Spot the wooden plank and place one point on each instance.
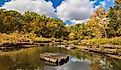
(114, 56)
(99, 50)
(112, 46)
(54, 57)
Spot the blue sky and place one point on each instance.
(55, 2)
(66, 9)
(2, 2)
(58, 2)
(96, 3)
(108, 3)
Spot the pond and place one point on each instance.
(29, 59)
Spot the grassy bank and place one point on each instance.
(19, 37)
(30, 37)
(102, 41)
(26, 40)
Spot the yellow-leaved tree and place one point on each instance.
(98, 23)
(118, 1)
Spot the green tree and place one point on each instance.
(42, 25)
(114, 21)
(10, 21)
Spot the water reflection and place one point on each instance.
(29, 60)
(74, 64)
(5, 62)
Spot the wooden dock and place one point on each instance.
(54, 57)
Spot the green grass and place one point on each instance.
(19, 37)
(102, 41)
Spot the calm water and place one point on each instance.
(29, 60)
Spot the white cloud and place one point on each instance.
(79, 21)
(79, 10)
(103, 4)
(75, 9)
(40, 6)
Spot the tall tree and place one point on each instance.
(114, 21)
(98, 23)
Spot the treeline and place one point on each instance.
(102, 24)
(31, 22)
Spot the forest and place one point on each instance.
(102, 27)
